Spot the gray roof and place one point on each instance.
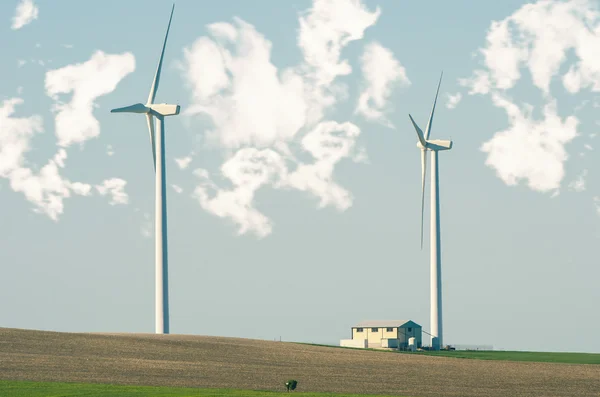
(386, 324)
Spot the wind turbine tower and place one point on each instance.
(433, 146)
(159, 111)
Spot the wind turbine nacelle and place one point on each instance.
(436, 144)
(164, 109)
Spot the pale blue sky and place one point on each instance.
(519, 261)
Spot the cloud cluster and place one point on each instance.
(578, 185)
(45, 189)
(453, 100)
(25, 13)
(539, 37)
(533, 150)
(98, 76)
(380, 71)
(74, 123)
(260, 115)
(115, 188)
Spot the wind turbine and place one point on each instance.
(433, 146)
(159, 111)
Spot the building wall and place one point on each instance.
(362, 343)
(374, 337)
(404, 334)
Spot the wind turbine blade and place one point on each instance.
(428, 128)
(423, 172)
(419, 132)
(150, 121)
(154, 87)
(137, 108)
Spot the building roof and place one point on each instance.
(386, 324)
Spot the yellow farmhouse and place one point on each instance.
(395, 334)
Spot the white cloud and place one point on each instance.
(115, 188)
(21, 62)
(25, 13)
(177, 188)
(529, 149)
(328, 143)
(539, 37)
(578, 185)
(75, 122)
(259, 112)
(380, 71)
(326, 29)
(453, 100)
(248, 170)
(233, 81)
(183, 162)
(597, 204)
(46, 189)
(146, 227)
(109, 150)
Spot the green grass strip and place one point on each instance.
(539, 357)
(51, 389)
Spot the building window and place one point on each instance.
(389, 329)
(409, 329)
(374, 329)
(359, 330)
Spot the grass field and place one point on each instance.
(540, 357)
(45, 389)
(534, 357)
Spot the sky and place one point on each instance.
(293, 172)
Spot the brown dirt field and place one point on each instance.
(201, 361)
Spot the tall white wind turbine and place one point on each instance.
(159, 111)
(433, 146)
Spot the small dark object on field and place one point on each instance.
(291, 385)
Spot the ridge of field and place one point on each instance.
(236, 363)
(504, 355)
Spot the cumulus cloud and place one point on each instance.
(177, 188)
(328, 143)
(258, 112)
(578, 185)
(248, 170)
(46, 189)
(74, 121)
(453, 100)
(538, 37)
(25, 13)
(146, 227)
(268, 107)
(183, 162)
(115, 189)
(532, 150)
(380, 71)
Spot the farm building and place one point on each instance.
(384, 334)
